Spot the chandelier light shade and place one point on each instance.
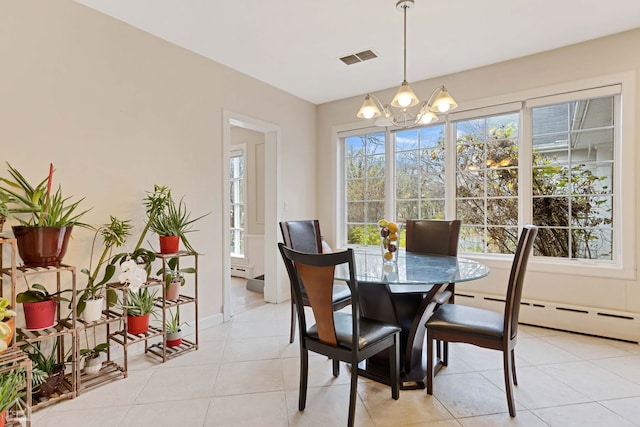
(400, 112)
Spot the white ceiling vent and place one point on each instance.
(365, 55)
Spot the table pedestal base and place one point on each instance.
(410, 311)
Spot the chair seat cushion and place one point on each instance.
(371, 331)
(467, 320)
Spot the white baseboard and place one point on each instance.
(242, 271)
(587, 320)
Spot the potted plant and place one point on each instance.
(91, 357)
(174, 278)
(39, 305)
(140, 305)
(154, 204)
(11, 390)
(47, 371)
(172, 224)
(173, 329)
(7, 324)
(46, 218)
(91, 299)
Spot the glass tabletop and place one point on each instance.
(412, 268)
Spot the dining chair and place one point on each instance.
(439, 237)
(304, 236)
(347, 337)
(486, 328)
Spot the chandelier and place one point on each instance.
(401, 111)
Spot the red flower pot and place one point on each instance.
(169, 244)
(138, 324)
(42, 246)
(174, 339)
(39, 315)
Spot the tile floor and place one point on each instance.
(246, 374)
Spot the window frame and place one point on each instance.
(623, 266)
(239, 150)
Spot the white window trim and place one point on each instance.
(241, 150)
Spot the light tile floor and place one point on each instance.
(246, 374)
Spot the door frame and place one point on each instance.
(273, 293)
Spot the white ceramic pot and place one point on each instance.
(92, 366)
(93, 310)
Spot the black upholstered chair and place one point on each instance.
(304, 236)
(340, 336)
(486, 328)
(440, 237)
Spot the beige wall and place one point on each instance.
(586, 61)
(117, 111)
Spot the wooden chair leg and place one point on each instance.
(394, 366)
(507, 361)
(336, 368)
(304, 372)
(445, 353)
(513, 367)
(429, 363)
(353, 394)
(293, 321)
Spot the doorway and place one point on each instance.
(274, 288)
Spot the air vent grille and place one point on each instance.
(365, 55)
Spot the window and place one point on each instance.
(420, 173)
(237, 198)
(365, 158)
(550, 161)
(487, 183)
(573, 167)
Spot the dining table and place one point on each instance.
(405, 293)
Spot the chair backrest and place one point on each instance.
(516, 280)
(433, 236)
(314, 273)
(302, 236)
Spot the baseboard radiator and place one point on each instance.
(587, 320)
(242, 271)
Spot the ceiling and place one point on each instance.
(296, 45)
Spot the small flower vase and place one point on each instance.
(389, 242)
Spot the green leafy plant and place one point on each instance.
(38, 293)
(173, 274)
(37, 206)
(140, 302)
(5, 311)
(11, 388)
(113, 234)
(44, 363)
(175, 220)
(173, 324)
(92, 353)
(154, 203)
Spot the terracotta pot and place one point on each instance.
(3, 417)
(40, 315)
(169, 244)
(51, 384)
(173, 291)
(93, 310)
(174, 339)
(42, 246)
(138, 324)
